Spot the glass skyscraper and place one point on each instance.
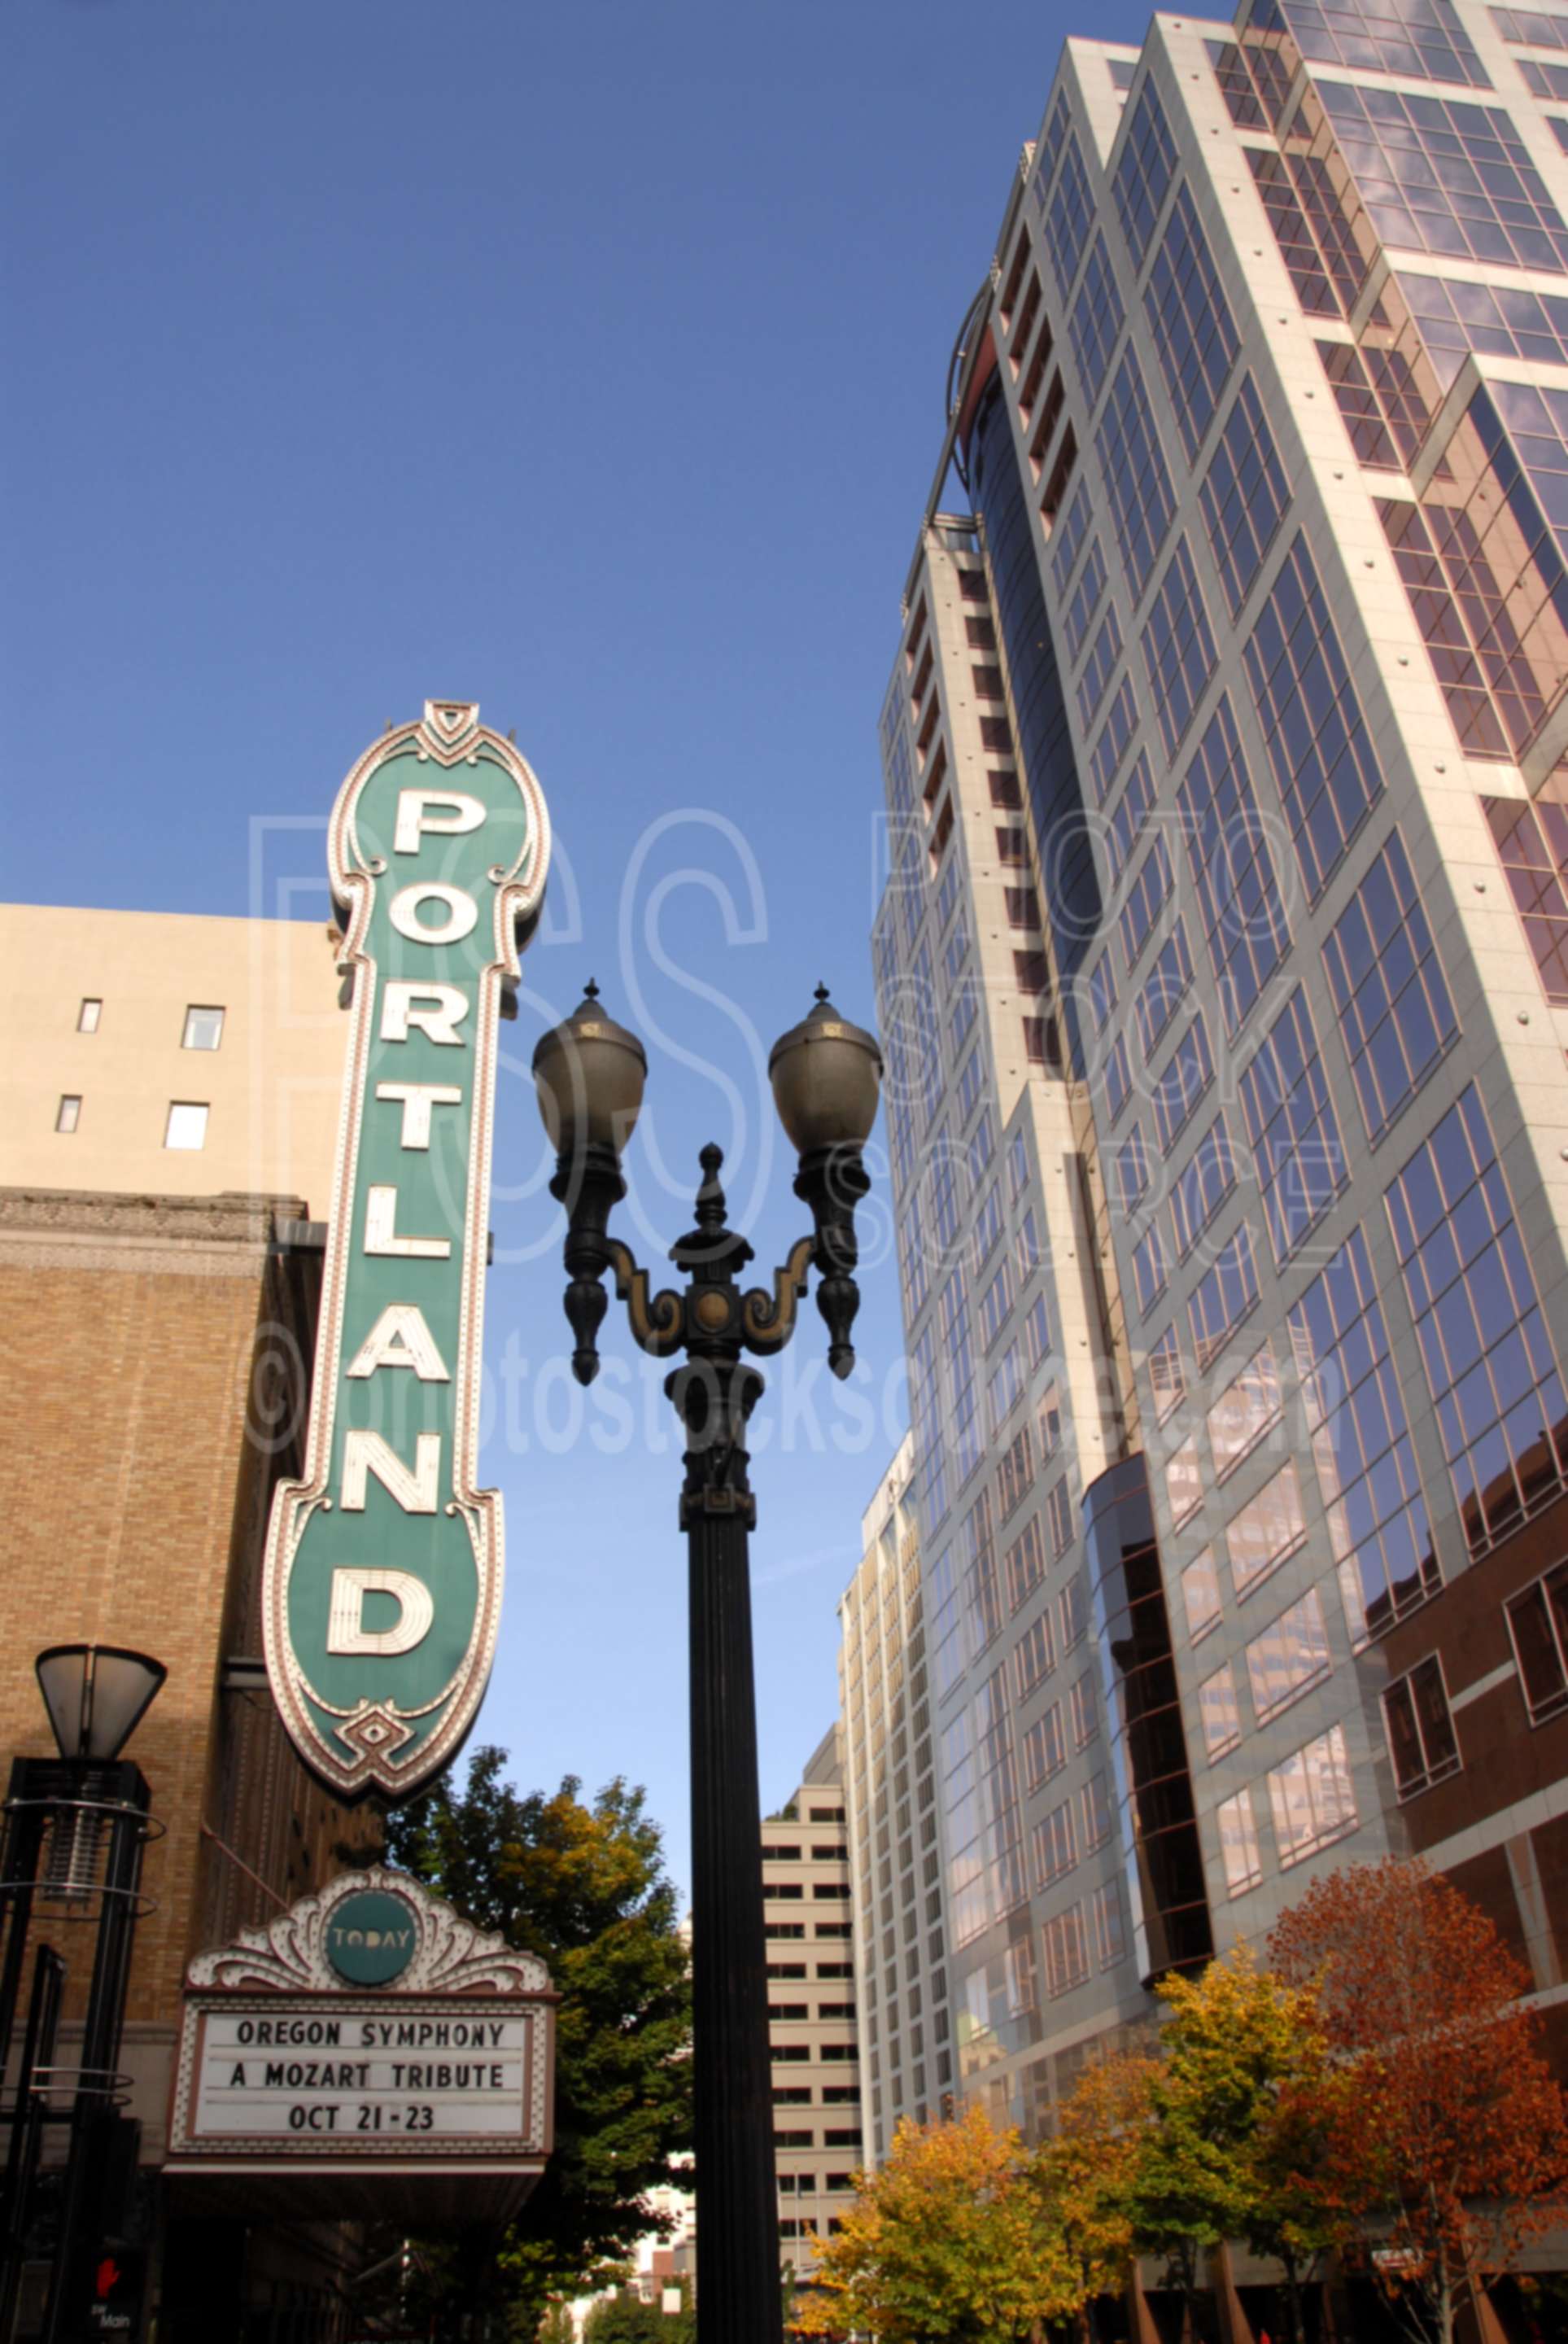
(1223, 972)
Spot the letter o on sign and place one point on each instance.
(462, 913)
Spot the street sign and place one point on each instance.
(368, 2027)
(382, 1587)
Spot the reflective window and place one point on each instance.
(1014, 1480)
(1530, 27)
(1055, 1845)
(1103, 654)
(1360, 1445)
(1163, 989)
(1034, 1656)
(1500, 320)
(1320, 749)
(1110, 1930)
(1120, 722)
(1532, 841)
(1085, 1709)
(1052, 139)
(1146, 899)
(1380, 402)
(1294, 1130)
(1267, 1529)
(1144, 172)
(1224, 1296)
(1420, 1737)
(68, 1114)
(1439, 174)
(1545, 81)
(1059, 1519)
(1244, 924)
(1191, 321)
(1044, 1748)
(1184, 1484)
(1133, 466)
(1102, 997)
(1094, 1812)
(925, 1410)
(978, 1576)
(1069, 216)
(187, 1125)
(1073, 1613)
(1238, 1832)
(1244, 494)
(1395, 1012)
(1096, 321)
(1084, 603)
(1202, 1186)
(1189, 1071)
(996, 1301)
(1311, 228)
(1025, 1565)
(1538, 1622)
(1170, 1385)
(1289, 1656)
(1218, 1712)
(1248, 1409)
(1133, 808)
(1066, 1952)
(1483, 1341)
(1200, 1596)
(88, 1016)
(203, 1029)
(1422, 39)
(1178, 648)
(1131, 1170)
(1067, 536)
(1312, 1798)
(1148, 1269)
(1118, 1078)
(1484, 571)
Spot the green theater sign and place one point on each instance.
(382, 1590)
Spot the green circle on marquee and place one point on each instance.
(371, 1938)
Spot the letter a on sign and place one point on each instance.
(382, 1587)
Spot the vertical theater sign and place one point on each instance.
(382, 1587)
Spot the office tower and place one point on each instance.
(817, 2128)
(1224, 942)
(890, 1799)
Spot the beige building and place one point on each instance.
(816, 2130)
(162, 1297)
(895, 1861)
(167, 1055)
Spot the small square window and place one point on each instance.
(203, 1031)
(187, 1125)
(87, 1016)
(68, 1114)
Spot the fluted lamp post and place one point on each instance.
(826, 1074)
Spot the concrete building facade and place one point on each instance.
(884, 1707)
(1228, 888)
(157, 1371)
(817, 2118)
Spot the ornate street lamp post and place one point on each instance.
(826, 1074)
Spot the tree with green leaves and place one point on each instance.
(584, 1888)
(1241, 2107)
(624, 2319)
(947, 2239)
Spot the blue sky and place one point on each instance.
(590, 364)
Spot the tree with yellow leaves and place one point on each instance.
(1084, 2174)
(950, 2237)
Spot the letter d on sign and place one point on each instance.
(345, 1629)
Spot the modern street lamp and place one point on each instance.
(96, 1695)
(826, 1076)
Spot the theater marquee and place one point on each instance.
(383, 1577)
(367, 2033)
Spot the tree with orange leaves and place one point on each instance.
(1085, 2171)
(1451, 2151)
(948, 2238)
